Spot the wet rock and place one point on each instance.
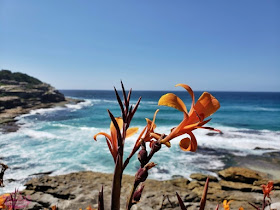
(214, 134)
(261, 148)
(52, 96)
(177, 176)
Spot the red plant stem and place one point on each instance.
(181, 203)
(129, 201)
(204, 195)
(101, 200)
(117, 182)
(263, 204)
(135, 185)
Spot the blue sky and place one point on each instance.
(150, 45)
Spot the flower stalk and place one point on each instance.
(194, 119)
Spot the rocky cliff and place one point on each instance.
(20, 93)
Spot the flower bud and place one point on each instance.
(137, 194)
(142, 156)
(142, 173)
(155, 146)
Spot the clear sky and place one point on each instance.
(151, 45)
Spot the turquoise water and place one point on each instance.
(60, 139)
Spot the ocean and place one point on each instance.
(60, 140)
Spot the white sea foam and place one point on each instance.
(67, 146)
(45, 111)
(102, 101)
(38, 134)
(80, 105)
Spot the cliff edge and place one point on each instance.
(21, 93)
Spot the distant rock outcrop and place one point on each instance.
(18, 89)
(20, 93)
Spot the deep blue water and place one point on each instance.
(60, 139)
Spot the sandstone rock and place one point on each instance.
(276, 183)
(228, 185)
(244, 175)
(78, 190)
(192, 197)
(202, 177)
(52, 96)
(193, 185)
(21, 93)
(8, 102)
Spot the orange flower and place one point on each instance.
(267, 189)
(203, 108)
(226, 204)
(147, 131)
(3, 199)
(111, 140)
(89, 208)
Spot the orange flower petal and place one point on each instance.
(114, 132)
(168, 144)
(104, 134)
(174, 101)
(153, 125)
(206, 105)
(149, 124)
(225, 202)
(120, 124)
(188, 88)
(131, 131)
(187, 144)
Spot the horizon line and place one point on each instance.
(236, 91)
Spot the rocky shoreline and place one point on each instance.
(21, 93)
(8, 121)
(79, 190)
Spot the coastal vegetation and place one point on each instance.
(8, 77)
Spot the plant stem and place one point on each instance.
(117, 182)
(263, 204)
(129, 201)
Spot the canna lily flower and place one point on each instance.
(226, 204)
(150, 134)
(267, 189)
(203, 108)
(145, 135)
(3, 199)
(111, 140)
